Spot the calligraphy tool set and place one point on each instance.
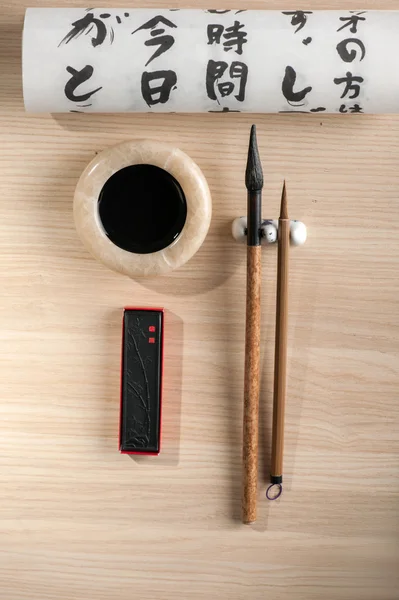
(144, 208)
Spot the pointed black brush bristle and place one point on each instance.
(254, 173)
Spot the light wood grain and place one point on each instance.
(79, 521)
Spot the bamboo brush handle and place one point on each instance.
(280, 361)
(251, 384)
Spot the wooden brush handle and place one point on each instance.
(280, 360)
(251, 384)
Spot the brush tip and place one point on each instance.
(284, 205)
(254, 173)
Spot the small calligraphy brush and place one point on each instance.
(280, 356)
(254, 185)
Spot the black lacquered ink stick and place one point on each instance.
(254, 185)
(141, 389)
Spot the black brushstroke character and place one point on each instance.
(288, 88)
(216, 70)
(157, 94)
(79, 77)
(215, 33)
(156, 21)
(351, 85)
(118, 19)
(356, 108)
(352, 21)
(233, 35)
(349, 56)
(222, 11)
(165, 42)
(299, 17)
(225, 109)
(86, 24)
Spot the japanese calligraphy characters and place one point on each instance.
(224, 79)
(77, 79)
(158, 37)
(299, 19)
(156, 86)
(234, 36)
(216, 60)
(351, 50)
(293, 97)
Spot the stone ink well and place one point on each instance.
(142, 208)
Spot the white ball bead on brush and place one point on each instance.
(269, 232)
(239, 229)
(298, 233)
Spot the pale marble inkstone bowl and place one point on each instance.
(198, 204)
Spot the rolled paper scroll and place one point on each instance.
(142, 208)
(177, 60)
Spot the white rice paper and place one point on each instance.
(178, 60)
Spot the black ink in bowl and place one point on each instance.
(142, 208)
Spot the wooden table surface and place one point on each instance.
(80, 522)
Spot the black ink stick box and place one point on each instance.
(141, 381)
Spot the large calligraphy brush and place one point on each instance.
(280, 357)
(254, 185)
